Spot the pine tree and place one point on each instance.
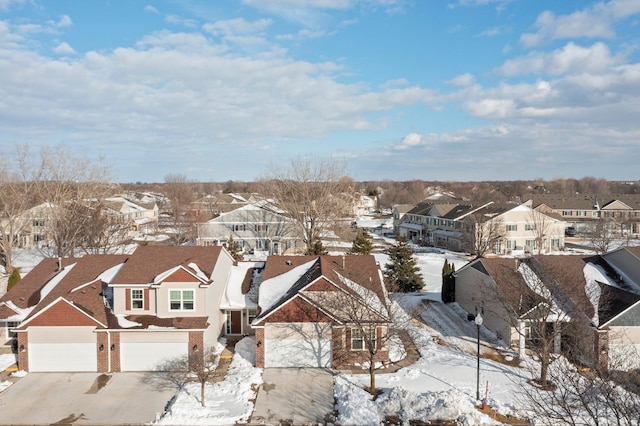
(448, 292)
(317, 249)
(14, 278)
(362, 244)
(402, 272)
(234, 249)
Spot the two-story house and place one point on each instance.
(256, 227)
(110, 313)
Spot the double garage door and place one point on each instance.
(297, 345)
(151, 351)
(62, 349)
(75, 349)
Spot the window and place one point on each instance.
(530, 243)
(511, 244)
(512, 228)
(555, 242)
(238, 227)
(251, 315)
(581, 213)
(358, 339)
(181, 300)
(137, 299)
(261, 227)
(38, 222)
(567, 213)
(530, 227)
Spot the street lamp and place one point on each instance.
(478, 321)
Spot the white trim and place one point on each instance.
(181, 290)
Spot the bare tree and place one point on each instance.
(67, 184)
(102, 233)
(18, 177)
(600, 235)
(308, 192)
(540, 225)
(179, 191)
(198, 366)
(584, 396)
(482, 233)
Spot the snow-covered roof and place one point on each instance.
(273, 289)
(233, 297)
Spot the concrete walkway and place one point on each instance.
(294, 396)
(225, 360)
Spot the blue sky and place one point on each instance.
(451, 90)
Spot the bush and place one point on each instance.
(14, 278)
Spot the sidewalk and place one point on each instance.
(225, 360)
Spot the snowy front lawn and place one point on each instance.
(227, 402)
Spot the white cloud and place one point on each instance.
(568, 59)
(5, 4)
(238, 26)
(463, 80)
(592, 22)
(151, 9)
(177, 20)
(64, 49)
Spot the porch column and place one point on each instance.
(521, 341)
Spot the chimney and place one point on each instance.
(344, 262)
(59, 263)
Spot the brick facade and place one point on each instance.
(102, 346)
(23, 351)
(196, 347)
(114, 352)
(260, 347)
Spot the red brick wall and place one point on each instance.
(115, 353)
(103, 355)
(23, 355)
(260, 347)
(62, 314)
(344, 357)
(196, 346)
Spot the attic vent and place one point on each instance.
(289, 263)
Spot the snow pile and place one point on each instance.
(125, 323)
(593, 275)
(7, 360)
(227, 402)
(4, 385)
(355, 405)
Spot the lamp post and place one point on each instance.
(478, 321)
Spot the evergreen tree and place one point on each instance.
(402, 272)
(362, 243)
(234, 249)
(317, 249)
(14, 278)
(448, 292)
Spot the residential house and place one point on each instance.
(255, 227)
(213, 205)
(314, 311)
(361, 205)
(140, 216)
(597, 298)
(514, 229)
(30, 229)
(110, 313)
(398, 211)
(503, 228)
(622, 211)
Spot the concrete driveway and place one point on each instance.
(294, 396)
(84, 398)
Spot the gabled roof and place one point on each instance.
(80, 282)
(147, 262)
(347, 274)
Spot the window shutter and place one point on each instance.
(127, 299)
(146, 299)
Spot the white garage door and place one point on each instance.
(149, 351)
(297, 345)
(62, 349)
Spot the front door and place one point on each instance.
(234, 322)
